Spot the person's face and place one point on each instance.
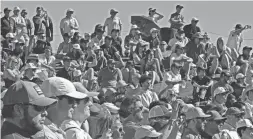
(220, 44)
(23, 14)
(7, 13)
(16, 12)
(100, 33)
(82, 111)
(158, 123)
(39, 11)
(66, 39)
(214, 125)
(47, 52)
(194, 23)
(137, 110)
(151, 56)
(236, 117)
(147, 84)
(178, 10)
(118, 131)
(137, 36)
(115, 33)
(154, 34)
(200, 124)
(222, 98)
(66, 63)
(163, 47)
(32, 117)
(246, 52)
(108, 42)
(14, 64)
(250, 96)
(196, 40)
(112, 66)
(69, 14)
(30, 72)
(180, 51)
(176, 69)
(133, 31)
(113, 14)
(201, 73)
(123, 89)
(247, 133)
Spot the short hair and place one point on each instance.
(124, 110)
(240, 129)
(144, 78)
(156, 103)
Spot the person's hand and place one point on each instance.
(204, 87)
(247, 27)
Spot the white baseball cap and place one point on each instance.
(111, 107)
(57, 86)
(195, 19)
(16, 9)
(195, 112)
(10, 35)
(77, 46)
(244, 123)
(153, 30)
(239, 76)
(219, 90)
(77, 73)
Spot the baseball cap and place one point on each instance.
(198, 35)
(57, 86)
(226, 73)
(146, 131)
(30, 66)
(215, 116)
(108, 37)
(163, 43)
(195, 19)
(10, 35)
(159, 111)
(70, 10)
(80, 88)
(76, 46)
(115, 30)
(233, 111)
(66, 58)
(195, 112)
(239, 76)
(33, 57)
(247, 47)
(244, 123)
(151, 9)
(27, 93)
(219, 90)
(24, 11)
(77, 73)
(110, 91)
(238, 26)
(111, 61)
(7, 9)
(16, 9)
(138, 32)
(179, 6)
(121, 83)
(153, 30)
(134, 27)
(113, 11)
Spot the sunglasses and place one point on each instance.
(37, 108)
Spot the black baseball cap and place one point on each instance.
(247, 48)
(24, 11)
(117, 30)
(108, 37)
(179, 6)
(238, 26)
(7, 9)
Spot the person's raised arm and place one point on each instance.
(76, 25)
(159, 16)
(158, 69)
(173, 20)
(60, 48)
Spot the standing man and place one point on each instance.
(29, 25)
(49, 27)
(192, 28)
(24, 110)
(113, 22)
(7, 24)
(152, 14)
(69, 24)
(235, 37)
(177, 19)
(19, 21)
(39, 22)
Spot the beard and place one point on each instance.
(29, 125)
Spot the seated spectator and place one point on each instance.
(48, 60)
(151, 66)
(110, 52)
(201, 85)
(225, 54)
(248, 99)
(213, 125)
(164, 49)
(109, 76)
(131, 110)
(139, 52)
(30, 72)
(192, 28)
(9, 41)
(129, 37)
(12, 73)
(101, 60)
(220, 97)
(129, 72)
(194, 48)
(66, 72)
(178, 39)
(104, 128)
(65, 47)
(146, 131)
(76, 38)
(84, 44)
(76, 53)
(243, 60)
(180, 57)
(99, 38)
(122, 87)
(230, 100)
(40, 46)
(239, 85)
(153, 38)
(117, 41)
(244, 129)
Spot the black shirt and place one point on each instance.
(109, 52)
(7, 26)
(64, 74)
(241, 57)
(117, 44)
(189, 30)
(11, 131)
(204, 81)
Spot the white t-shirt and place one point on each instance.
(175, 41)
(114, 23)
(66, 23)
(234, 41)
(170, 76)
(174, 56)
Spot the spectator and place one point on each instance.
(244, 129)
(139, 52)
(76, 53)
(131, 110)
(220, 97)
(230, 100)
(192, 28)
(194, 48)
(66, 71)
(224, 81)
(49, 27)
(39, 21)
(243, 60)
(117, 41)
(98, 38)
(113, 22)
(40, 46)
(152, 14)
(202, 85)
(65, 92)
(129, 37)
(24, 110)
(110, 52)
(104, 128)
(9, 42)
(29, 25)
(177, 19)
(178, 39)
(101, 60)
(19, 21)
(153, 38)
(8, 25)
(196, 120)
(213, 125)
(122, 87)
(239, 85)
(225, 54)
(235, 37)
(234, 115)
(146, 131)
(30, 72)
(65, 47)
(109, 76)
(76, 38)
(69, 24)
(249, 103)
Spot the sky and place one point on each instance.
(216, 18)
